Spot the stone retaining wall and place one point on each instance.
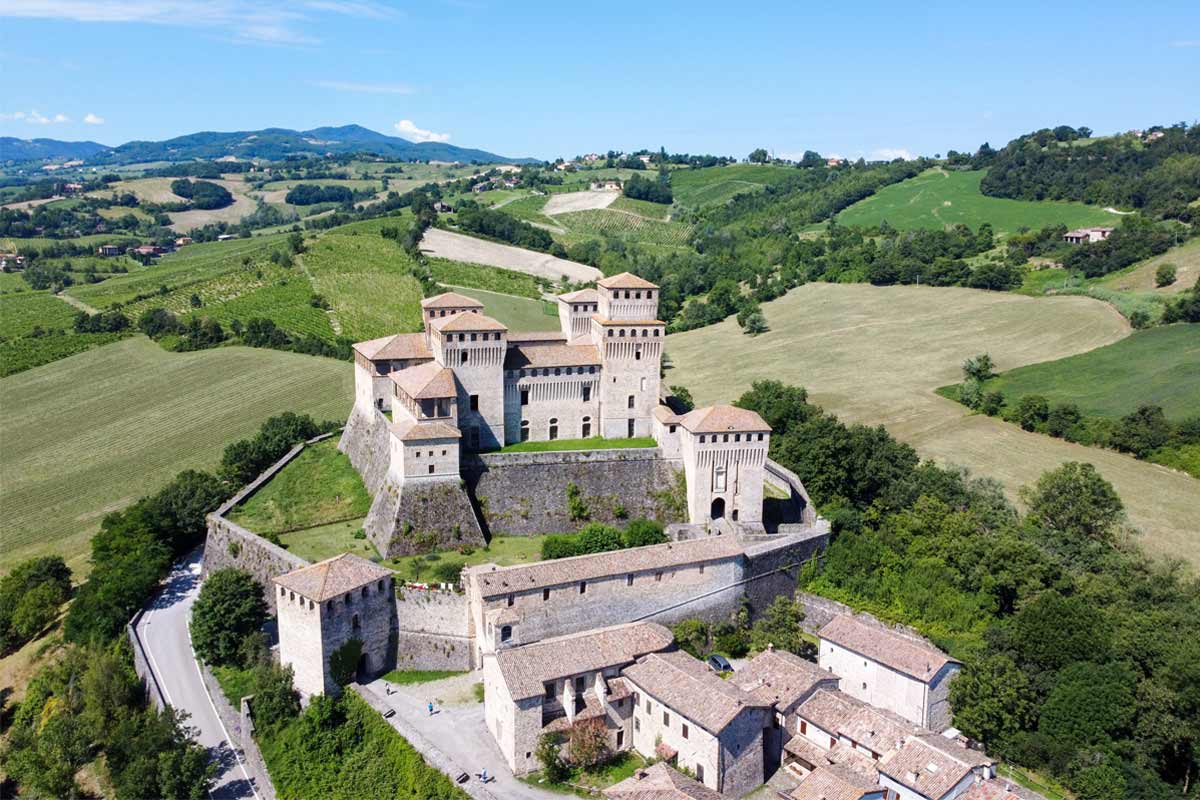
(231, 545)
(421, 515)
(141, 665)
(435, 629)
(819, 611)
(526, 493)
(365, 442)
(240, 728)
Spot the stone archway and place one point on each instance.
(718, 508)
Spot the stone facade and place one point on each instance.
(418, 516)
(434, 629)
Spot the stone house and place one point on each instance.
(890, 670)
(687, 715)
(323, 606)
(549, 685)
(836, 782)
(833, 727)
(931, 767)
(1086, 235)
(660, 782)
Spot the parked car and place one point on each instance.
(719, 663)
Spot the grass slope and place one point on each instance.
(716, 185)
(368, 281)
(94, 432)
(937, 198)
(875, 354)
(318, 487)
(1160, 366)
(518, 313)
(1140, 276)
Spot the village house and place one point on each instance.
(686, 714)
(836, 782)
(108, 250)
(441, 207)
(889, 670)
(1086, 235)
(547, 686)
(183, 241)
(11, 261)
(931, 767)
(660, 782)
(831, 727)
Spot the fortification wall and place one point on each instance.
(365, 443)
(231, 545)
(434, 630)
(526, 493)
(773, 564)
(418, 516)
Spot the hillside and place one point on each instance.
(875, 354)
(13, 149)
(938, 198)
(695, 188)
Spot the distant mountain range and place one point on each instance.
(269, 143)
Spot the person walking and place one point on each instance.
(431, 709)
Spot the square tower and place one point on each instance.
(724, 451)
(473, 346)
(629, 337)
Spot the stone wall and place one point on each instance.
(231, 545)
(141, 664)
(773, 564)
(365, 442)
(434, 629)
(418, 516)
(240, 727)
(526, 493)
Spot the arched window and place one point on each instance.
(354, 623)
(621, 332)
(553, 428)
(585, 429)
(524, 430)
(506, 633)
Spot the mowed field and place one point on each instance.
(938, 198)
(1140, 277)
(875, 354)
(715, 185)
(459, 247)
(94, 432)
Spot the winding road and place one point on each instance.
(163, 630)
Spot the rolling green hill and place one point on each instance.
(937, 198)
(708, 186)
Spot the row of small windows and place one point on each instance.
(581, 586)
(585, 425)
(347, 599)
(583, 307)
(737, 437)
(545, 372)
(633, 333)
(432, 453)
(462, 337)
(637, 294)
(441, 312)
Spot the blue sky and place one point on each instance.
(556, 79)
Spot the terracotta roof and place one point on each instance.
(843, 755)
(877, 728)
(919, 660)
(924, 769)
(424, 431)
(397, 346)
(494, 581)
(607, 321)
(829, 710)
(536, 337)
(468, 321)
(425, 381)
(958, 752)
(581, 296)
(526, 669)
(800, 745)
(626, 280)
(660, 782)
(780, 678)
(664, 415)
(721, 419)
(332, 577)
(989, 790)
(688, 687)
(834, 783)
(450, 300)
(548, 355)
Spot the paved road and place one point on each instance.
(163, 630)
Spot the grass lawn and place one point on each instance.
(594, 443)
(411, 676)
(92, 433)
(518, 313)
(937, 198)
(326, 541)
(318, 487)
(1160, 366)
(503, 551)
(875, 355)
(584, 783)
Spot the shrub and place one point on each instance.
(692, 636)
(642, 532)
(448, 572)
(229, 609)
(598, 538)
(1031, 411)
(554, 769)
(991, 403)
(588, 743)
(577, 507)
(1164, 275)
(30, 597)
(558, 545)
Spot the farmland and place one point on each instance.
(937, 198)
(458, 247)
(695, 188)
(20, 312)
(875, 355)
(1159, 366)
(126, 418)
(1140, 276)
(622, 225)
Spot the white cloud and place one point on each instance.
(891, 153)
(92, 119)
(365, 88)
(1186, 43)
(410, 131)
(270, 22)
(34, 118)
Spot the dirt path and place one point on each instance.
(460, 247)
(875, 354)
(585, 200)
(82, 306)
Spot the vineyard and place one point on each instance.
(696, 188)
(19, 313)
(286, 301)
(622, 225)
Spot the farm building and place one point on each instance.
(1086, 235)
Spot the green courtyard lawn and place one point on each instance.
(326, 541)
(318, 487)
(501, 550)
(407, 677)
(588, 783)
(593, 443)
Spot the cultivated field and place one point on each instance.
(875, 355)
(1160, 366)
(937, 198)
(459, 247)
(622, 225)
(715, 185)
(1140, 277)
(579, 201)
(242, 206)
(92, 433)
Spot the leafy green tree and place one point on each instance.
(1143, 431)
(230, 608)
(780, 626)
(755, 324)
(758, 156)
(554, 769)
(992, 701)
(1061, 418)
(598, 538)
(1032, 411)
(1075, 499)
(992, 403)
(642, 532)
(1052, 631)
(692, 636)
(681, 400)
(979, 368)
(1090, 704)
(275, 700)
(1164, 275)
(30, 597)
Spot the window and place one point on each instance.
(587, 394)
(511, 600)
(629, 429)
(620, 739)
(506, 633)
(524, 397)
(557, 371)
(647, 705)
(364, 591)
(580, 685)
(629, 579)
(431, 469)
(524, 430)
(630, 401)
(637, 723)
(545, 595)
(699, 772)
(685, 730)
(474, 402)
(658, 577)
(803, 726)
(637, 354)
(553, 428)
(472, 337)
(701, 569)
(463, 358)
(354, 623)
(583, 587)
(702, 438)
(585, 428)
(549, 690)
(671, 428)
(864, 684)
(666, 719)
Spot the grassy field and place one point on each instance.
(94, 432)
(715, 185)
(317, 488)
(1140, 276)
(645, 208)
(876, 354)
(937, 198)
(325, 541)
(501, 550)
(518, 313)
(1159, 365)
(603, 222)
(19, 313)
(491, 279)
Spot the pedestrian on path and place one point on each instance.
(483, 775)
(431, 709)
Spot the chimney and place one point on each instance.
(770, 647)
(639, 774)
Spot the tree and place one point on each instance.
(554, 769)
(1052, 631)
(230, 608)
(755, 323)
(30, 597)
(275, 700)
(1031, 411)
(992, 700)
(1062, 417)
(1075, 499)
(1143, 431)
(587, 743)
(681, 400)
(1164, 275)
(1090, 704)
(758, 155)
(780, 626)
(979, 368)
(692, 635)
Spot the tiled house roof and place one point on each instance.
(920, 661)
(562, 355)
(626, 280)
(924, 769)
(450, 300)
(780, 678)
(660, 782)
(581, 296)
(723, 419)
(332, 577)
(688, 687)
(398, 346)
(468, 322)
(834, 782)
(425, 381)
